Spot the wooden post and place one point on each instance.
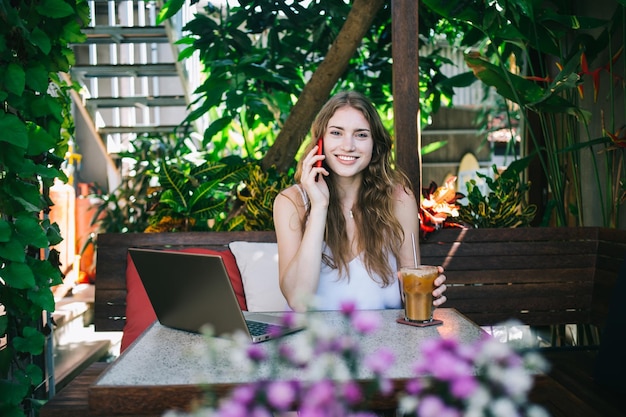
(404, 18)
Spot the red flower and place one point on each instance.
(437, 206)
(595, 74)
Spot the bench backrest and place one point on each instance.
(540, 276)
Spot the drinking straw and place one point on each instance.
(415, 260)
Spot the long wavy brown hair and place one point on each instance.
(378, 231)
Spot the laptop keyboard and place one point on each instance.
(258, 328)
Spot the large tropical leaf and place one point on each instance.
(525, 92)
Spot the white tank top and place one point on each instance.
(365, 290)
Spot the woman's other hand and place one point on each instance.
(440, 287)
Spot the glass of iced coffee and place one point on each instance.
(418, 283)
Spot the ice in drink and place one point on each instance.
(418, 284)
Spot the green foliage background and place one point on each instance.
(257, 58)
(35, 128)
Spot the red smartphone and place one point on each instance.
(318, 164)
(320, 150)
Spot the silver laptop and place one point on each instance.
(189, 291)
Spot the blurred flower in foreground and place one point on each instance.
(486, 378)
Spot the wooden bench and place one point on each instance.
(548, 279)
(539, 276)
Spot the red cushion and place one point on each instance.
(139, 311)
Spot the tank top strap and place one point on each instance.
(305, 197)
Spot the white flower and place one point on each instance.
(474, 413)
(407, 405)
(318, 330)
(536, 362)
(503, 407)
(516, 381)
(537, 411)
(239, 358)
(479, 399)
(328, 366)
(302, 351)
(238, 354)
(492, 351)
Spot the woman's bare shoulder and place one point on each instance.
(293, 194)
(403, 193)
(289, 209)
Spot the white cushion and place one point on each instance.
(258, 265)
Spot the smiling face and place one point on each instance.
(348, 142)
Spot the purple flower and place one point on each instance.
(467, 352)
(447, 366)
(256, 353)
(288, 354)
(244, 394)
(289, 319)
(352, 392)
(232, 408)
(281, 394)
(433, 347)
(464, 386)
(325, 346)
(414, 387)
(345, 343)
(431, 406)
(311, 412)
(319, 394)
(339, 345)
(348, 307)
(385, 386)
(448, 375)
(275, 331)
(366, 322)
(260, 411)
(379, 362)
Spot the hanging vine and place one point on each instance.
(35, 128)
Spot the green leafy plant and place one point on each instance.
(173, 186)
(195, 197)
(539, 55)
(251, 84)
(261, 188)
(125, 209)
(505, 203)
(231, 194)
(35, 129)
(258, 57)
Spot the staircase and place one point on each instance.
(131, 81)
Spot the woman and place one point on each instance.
(346, 227)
